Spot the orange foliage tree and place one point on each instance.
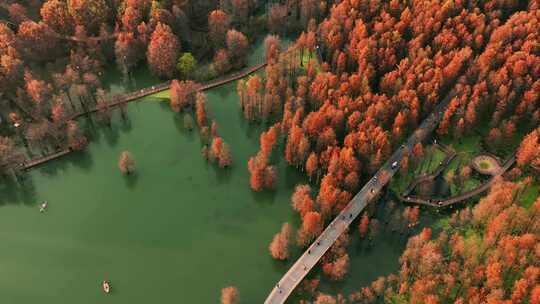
(163, 51)
(230, 295)
(279, 247)
(312, 226)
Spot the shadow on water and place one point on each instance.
(224, 175)
(131, 179)
(178, 121)
(125, 124)
(52, 168)
(292, 176)
(111, 135)
(81, 159)
(252, 129)
(264, 198)
(163, 102)
(102, 130)
(280, 266)
(21, 190)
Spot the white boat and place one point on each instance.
(43, 206)
(106, 286)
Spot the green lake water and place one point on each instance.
(177, 231)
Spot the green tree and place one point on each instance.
(186, 64)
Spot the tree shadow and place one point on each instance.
(81, 159)
(252, 129)
(126, 125)
(178, 121)
(163, 102)
(52, 168)
(104, 129)
(280, 266)
(293, 176)
(14, 190)
(131, 179)
(265, 197)
(223, 175)
(111, 136)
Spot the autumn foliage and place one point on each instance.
(218, 24)
(361, 76)
(126, 164)
(528, 153)
(263, 174)
(312, 226)
(220, 152)
(163, 51)
(230, 295)
(335, 263)
(279, 247)
(182, 94)
(486, 254)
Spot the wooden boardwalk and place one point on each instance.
(450, 154)
(129, 97)
(445, 202)
(86, 39)
(341, 222)
(43, 159)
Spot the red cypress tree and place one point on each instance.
(163, 51)
(279, 247)
(237, 45)
(37, 41)
(182, 94)
(301, 200)
(200, 110)
(230, 295)
(529, 149)
(221, 63)
(128, 51)
(312, 226)
(89, 13)
(218, 25)
(363, 226)
(312, 165)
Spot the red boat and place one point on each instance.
(106, 286)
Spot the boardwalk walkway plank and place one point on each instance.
(43, 159)
(445, 202)
(450, 154)
(132, 96)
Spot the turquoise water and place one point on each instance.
(178, 230)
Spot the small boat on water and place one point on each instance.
(43, 206)
(106, 286)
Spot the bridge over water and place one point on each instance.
(341, 222)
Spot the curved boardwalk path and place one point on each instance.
(494, 164)
(463, 196)
(450, 154)
(125, 98)
(371, 189)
